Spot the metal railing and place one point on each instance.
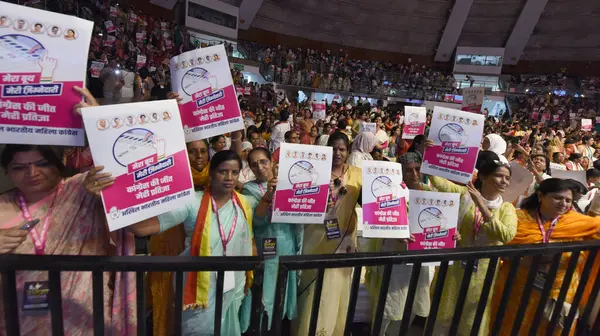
(9, 264)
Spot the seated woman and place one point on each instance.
(545, 217)
(70, 222)
(217, 223)
(287, 237)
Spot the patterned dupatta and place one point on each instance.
(77, 227)
(195, 293)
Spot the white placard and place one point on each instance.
(433, 219)
(209, 104)
(143, 146)
(416, 119)
(368, 127)
(456, 136)
(586, 124)
(384, 200)
(302, 184)
(43, 55)
(319, 110)
(577, 175)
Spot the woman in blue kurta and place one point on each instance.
(217, 222)
(287, 237)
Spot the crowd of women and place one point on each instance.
(236, 175)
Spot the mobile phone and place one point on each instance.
(29, 225)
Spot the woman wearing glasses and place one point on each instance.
(337, 236)
(272, 239)
(484, 220)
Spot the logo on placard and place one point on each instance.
(303, 177)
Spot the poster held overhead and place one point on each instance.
(302, 184)
(368, 127)
(43, 55)
(384, 200)
(415, 119)
(209, 104)
(142, 145)
(319, 110)
(473, 99)
(456, 136)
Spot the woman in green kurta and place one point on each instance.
(484, 219)
(286, 237)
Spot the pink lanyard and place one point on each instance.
(39, 241)
(546, 235)
(224, 241)
(262, 189)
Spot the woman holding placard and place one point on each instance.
(51, 214)
(272, 239)
(484, 220)
(545, 217)
(338, 235)
(218, 223)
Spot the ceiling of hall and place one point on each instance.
(567, 29)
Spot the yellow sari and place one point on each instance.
(336, 285)
(571, 227)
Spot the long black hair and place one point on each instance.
(551, 185)
(487, 168)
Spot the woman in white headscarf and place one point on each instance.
(322, 141)
(362, 146)
(496, 144)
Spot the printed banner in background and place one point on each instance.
(433, 219)
(456, 136)
(143, 146)
(203, 80)
(472, 99)
(96, 68)
(545, 117)
(43, 55)
(557, 166)
(110, 40)
(302, 184)
(110, 27)
(535, 115)
(384, 200)
(140, 61)
(368, 127)
(319, 109)
(415, 118)
(586, 125)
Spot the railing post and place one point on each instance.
(11, 310)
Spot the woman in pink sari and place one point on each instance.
(71, 222)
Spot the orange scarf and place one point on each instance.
(197, 285)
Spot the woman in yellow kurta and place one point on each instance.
(551, 206)
(484, 219)
(338, 235)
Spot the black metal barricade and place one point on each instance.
(10, 264)
(514, 253)
(54, 264)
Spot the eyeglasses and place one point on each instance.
(256, 164)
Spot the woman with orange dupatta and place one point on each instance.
(217, 223)
(172, 243)
(544, 217)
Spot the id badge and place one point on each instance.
(269, 247)
(332, 228)
(540, 280)
(35, 295)
(475, 263)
